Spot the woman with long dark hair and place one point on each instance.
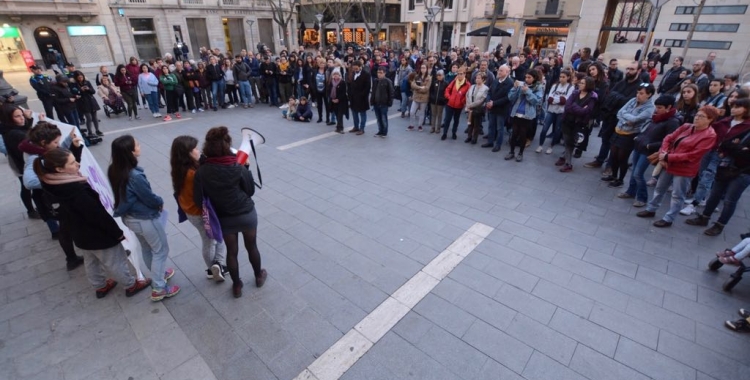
(87, 104)
(92, 229)
(14, 123)
(687, 105)
(525, 96)
(128, 85)
(230, 188)
(184, 159)
(140, 210)
(576, 118)
(170, 82)
(42, 138)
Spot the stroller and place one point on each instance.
(733, 257)
(114, 104)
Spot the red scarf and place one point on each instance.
(223, 160)
(665, 116)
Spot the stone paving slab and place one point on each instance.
(569, 284)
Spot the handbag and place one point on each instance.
(653, 158)
(727, 170)
(211, 221)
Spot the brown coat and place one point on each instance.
(421, 89)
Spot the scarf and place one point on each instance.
(283, 66)
(334, 84)
(460, 83)
(62, 178)
(223, 160)
(665, 116)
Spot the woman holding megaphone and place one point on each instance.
(229, 187)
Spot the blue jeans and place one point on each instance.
(455, 115)
(680, 186)
(245, 93)
(153, 101)
(273, 94)
(154, 246)
(405, 102)
(360, 118)
(555, 120)
(217, 89)
(496, 128)
(637, 187)
(381, 114)
(731, 191)
(709, 163)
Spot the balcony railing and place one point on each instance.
(191, 2)
(549, 9)
(230, 2)
(489, 10)
(137, 1)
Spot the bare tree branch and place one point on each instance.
(283, 12)
(374, 16)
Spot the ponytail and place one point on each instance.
(50, 161)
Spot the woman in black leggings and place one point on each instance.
(630, 119)
(230, 187)
(317, 85)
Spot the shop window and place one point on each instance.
(700, 44)
(713, 10)
(726, 28)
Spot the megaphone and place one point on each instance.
(250, 138)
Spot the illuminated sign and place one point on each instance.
(9, 32)
(88, 30)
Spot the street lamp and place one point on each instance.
(435, 10)
(250, 25)
(429, 16)
(319, 16)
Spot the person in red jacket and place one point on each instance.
(455, 93)
(680, 154)
(733, 171)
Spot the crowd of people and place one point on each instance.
(692, 126)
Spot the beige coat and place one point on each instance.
(104, 91)
(421, 94)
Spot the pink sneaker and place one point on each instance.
(167, 118)
(177, 115)
(160, 294)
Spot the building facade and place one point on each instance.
(540, 25)
(619, 28)
(349, 21)
(91, 33)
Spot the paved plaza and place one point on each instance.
(567, 283)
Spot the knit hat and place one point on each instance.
(440, 72)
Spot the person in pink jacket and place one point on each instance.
(680, 154)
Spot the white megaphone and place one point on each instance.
(250, 139)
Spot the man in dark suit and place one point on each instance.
(359, 95)
(498, 106)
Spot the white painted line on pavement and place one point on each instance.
(146, 126)
(325, 135)
(333, 363)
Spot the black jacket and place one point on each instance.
(230, 188)
(359, 90)
(341, 94)
(437, 92)
(42, 84)
(91, 226)
(62, 95)
(268, 70)
(621, 93)
(87, 103)
(214, 73)
(498, 94)
(382, 92)
(614, 76)
(649, 141)
(670, 79)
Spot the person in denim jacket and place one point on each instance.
(140, 210)
(525, 96)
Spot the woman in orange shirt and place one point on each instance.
(185, 159)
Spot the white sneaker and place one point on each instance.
(539, 149)
(688, 210)
(689, 200)
(230, 106)
(702, 203)
(200, 109)
(155, 115)
(548, 151)
(192, 111)
(216, 271)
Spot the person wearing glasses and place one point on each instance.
(680, 155)
(733, 171)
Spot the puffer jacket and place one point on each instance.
(229, 187)
(457, 96)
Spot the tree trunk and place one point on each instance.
(440, 29)
(495, 14)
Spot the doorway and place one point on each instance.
(49, 47)
(234, 35)
(265, 27)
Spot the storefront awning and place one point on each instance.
(548, 23)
